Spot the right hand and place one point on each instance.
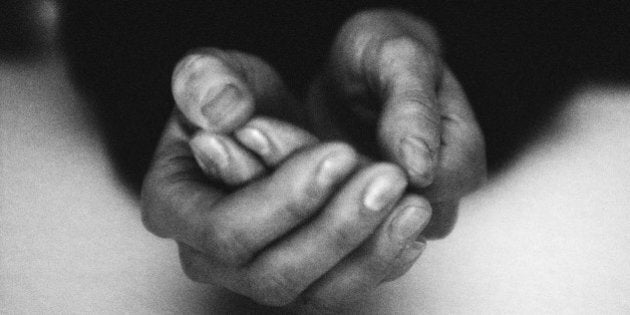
(282, 237)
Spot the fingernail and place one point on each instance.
(333, 168)
(255, 140)
(221, 104)
(187, 83)
(383, 191)
(210, 153)
(409, 223)
(418, 159)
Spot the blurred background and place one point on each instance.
(85, 89)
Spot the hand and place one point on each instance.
(282, 235)
(387, 91)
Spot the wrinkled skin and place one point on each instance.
(261, 206)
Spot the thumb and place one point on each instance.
(219, 90)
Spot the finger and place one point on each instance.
(462, 164)
(240, 224)
(273, 140)
(347, 220)
(174, 187)
(219, 90)
(387, 255)
(409, 127)
(386, 54)
(224, 160)
(179, 203)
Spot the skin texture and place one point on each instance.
(385, 74)
(261, 207)
(261, 221)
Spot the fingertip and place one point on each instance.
(386, 186)
(336, 166)
(410, 135)
(210, 93)
(342, 149)
(335, 161)
(254, 140)
(273, 140)
(210, 153)
(221, 158)
(410, 219)
(418, 160)
(413, 214)
(394, 171)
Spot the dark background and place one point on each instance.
(515, 59)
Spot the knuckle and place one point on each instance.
(415, 102)
(302, 200)
(406, 62)
(358, 35)
(344, 238)
(226, 247)
(274, 289)
(193, 265)
(305, 197)
(162, 214)
(151, 224)
(302, 203)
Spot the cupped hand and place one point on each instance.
(273, 216)
(387, 90)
